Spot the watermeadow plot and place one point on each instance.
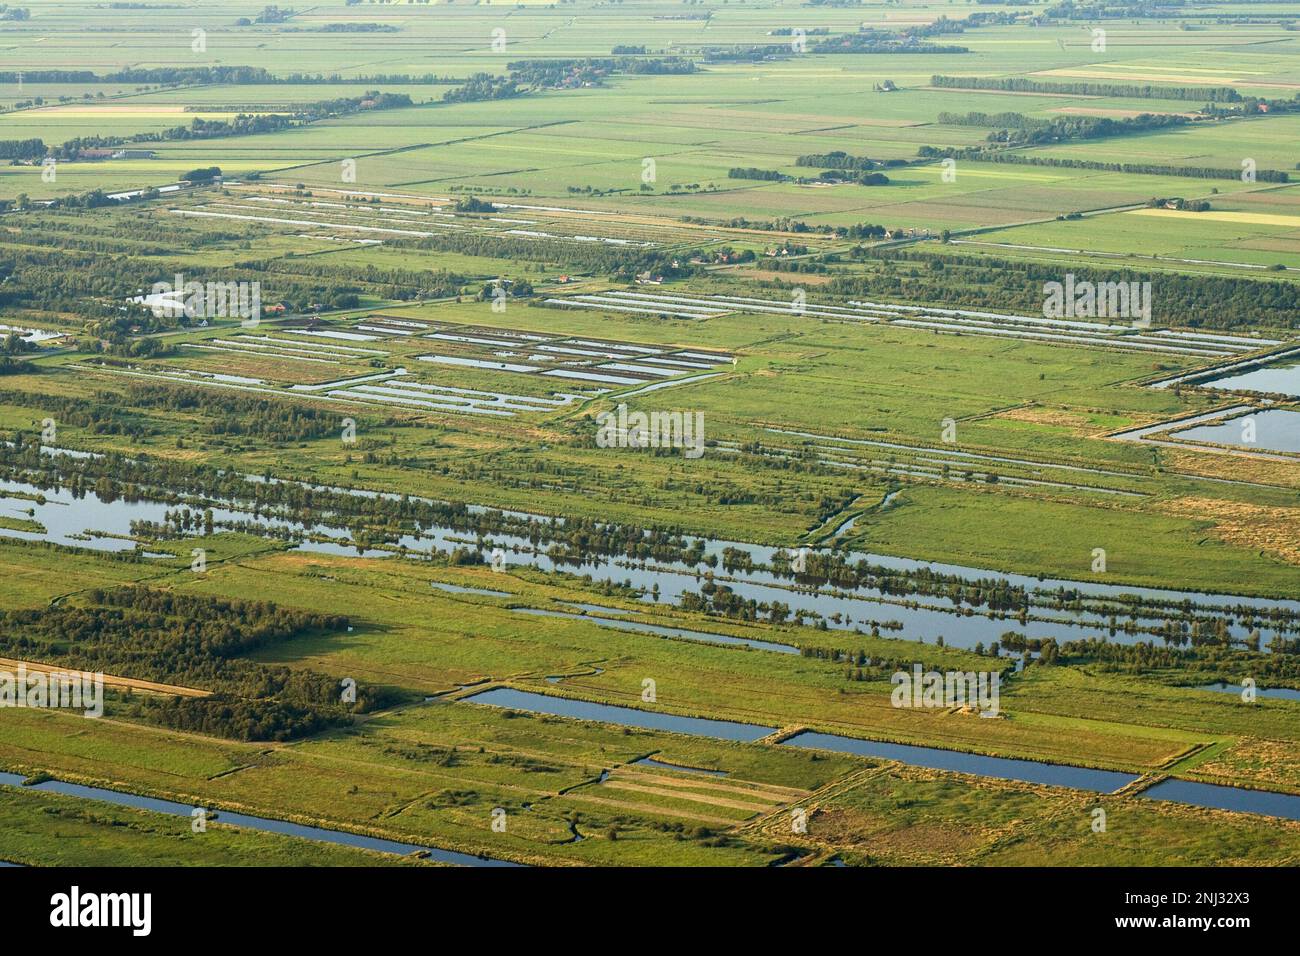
(590, 363)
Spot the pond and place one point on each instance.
(1283, 379)
(1279, 693)
(1276, 429)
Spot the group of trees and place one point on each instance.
(908, 39)
(22, 148)
(299, 282)
(753, 172)
(872, 42)
(514, 288)
(212, 413)
(181, 482)
(843, 176)
(861, 230)
(826, 176)
(528, 75)
(1179, 203)
(483, 86)
(584, 257)
(838, 159)
(60, 280)
(592, 71)
(374, 520)
(205, 174)
(1206, 660)
(273, 14)
(11, 347)
(1066, 128)
(837, 166)
(721, 600)
(876, 42)
(193, 641)
(999, 284)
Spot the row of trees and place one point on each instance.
(985, 155)
(244, 124)
(1017, 84)
(22, 148)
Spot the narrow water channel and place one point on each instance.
(317, 834)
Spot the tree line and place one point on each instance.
(984, 155)
(218, 75)
(1000, 284)
(1016, 84)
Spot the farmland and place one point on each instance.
(548, 434)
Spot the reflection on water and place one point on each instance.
(1226, 798)
(623, 716)
(1000, 768)
(916, 617)
(1273, 379)
(1274, 429)
(1280, 693)
(318, 834)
